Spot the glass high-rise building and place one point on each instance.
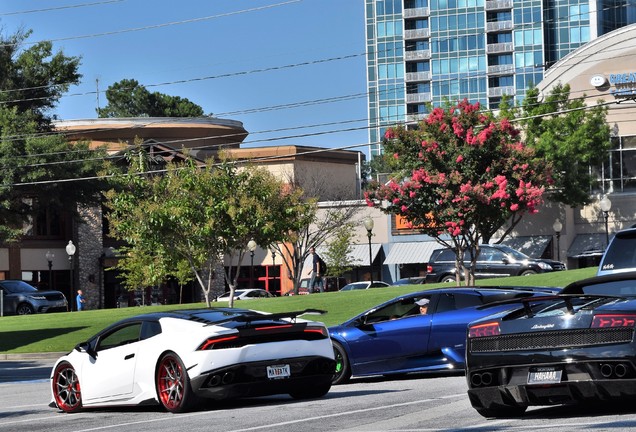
(432, 51)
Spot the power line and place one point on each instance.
(155, 26)
(60, 8)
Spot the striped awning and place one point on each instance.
(587, 245)
(411, 252)
(533, 246)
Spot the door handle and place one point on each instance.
(129, 356)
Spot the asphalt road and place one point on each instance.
(413, 403)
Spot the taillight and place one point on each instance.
(209, 344)
(613, 320)
(317, 329)
(429, 269)
(483, 330)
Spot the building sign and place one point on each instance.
(620, 85)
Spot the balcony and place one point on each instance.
(499, 26)
(501, 69)
(417, 12)
(499, 48)
(418, 76)
(493, 5)
(500, 91)
(417, 55)
(418, 98)
(415, 118)
(416, 34)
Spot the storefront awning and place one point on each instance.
(587, 245)
(533, 246)
(411, 252)
(359, 253)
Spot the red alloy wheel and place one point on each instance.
(173, 383)
(66, 388)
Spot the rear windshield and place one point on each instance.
(621, 253)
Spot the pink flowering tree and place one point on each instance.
(459, 178)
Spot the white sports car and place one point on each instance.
(174, 358)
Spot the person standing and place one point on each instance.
(316, 276)
(80, 300)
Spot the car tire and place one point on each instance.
(448, 279)
(343, 368)
(24, 309)
(501, 411)
(528, 273)
(173, 384)
(66, 388)
(311, 392)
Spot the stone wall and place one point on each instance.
(88, 274)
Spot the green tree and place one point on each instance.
(40, 170)
(199, 216)
(128, 98)
(337, 254)
(464, 175)
(570, 136)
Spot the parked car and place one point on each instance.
(493, 261)
(394, 338)
(575, 346)
(246, 294)
(410, 281)
(331, 284)
(175, 358)
(364, 285)
(620, 255)
(20, 298)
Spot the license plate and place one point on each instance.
(278, 371)
(544, 376)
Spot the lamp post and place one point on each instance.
(70, 250)
(368, 225)
(606, 205)
(49, 259)
(251, 246)
(557, 226)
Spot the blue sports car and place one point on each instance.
(419, 331)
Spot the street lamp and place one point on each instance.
(70, 250)
(368, 225)
(49, 258)
(251, 246)
(557, 226)
(606, 205)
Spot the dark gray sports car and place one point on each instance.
(575, 346)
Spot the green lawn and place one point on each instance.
(61, 331)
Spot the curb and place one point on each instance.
(32, 356)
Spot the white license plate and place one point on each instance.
(544, 376)
(278, 371)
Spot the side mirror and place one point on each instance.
(505, 260)
(86, 347)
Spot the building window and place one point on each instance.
(45, 222)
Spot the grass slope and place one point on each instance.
(60, 332)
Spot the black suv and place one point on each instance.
(493, 261)
(620, 255)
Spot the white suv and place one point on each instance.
(620, 255)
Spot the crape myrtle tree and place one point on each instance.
(196, 216)
(41, 171)
(463, 175)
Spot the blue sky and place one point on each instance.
(305, 50)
